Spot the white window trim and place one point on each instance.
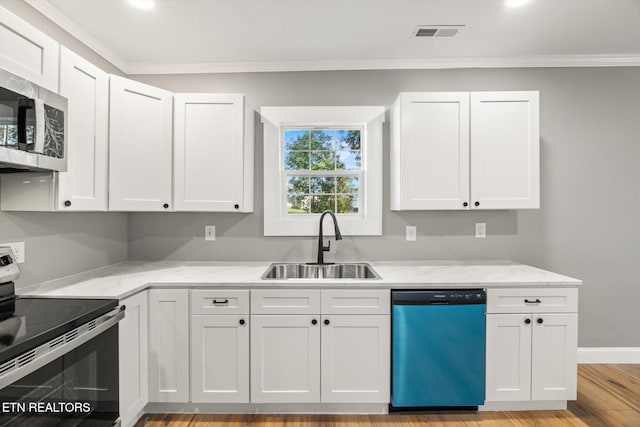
(276, 220)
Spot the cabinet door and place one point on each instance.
(209, 152)
(554, 358)
(28, 52)
(430, 151)
(355, 359)
(139, 147)
(169, 345)
(505, 150)
(220, 359)
(285, 359)
(508, 357)
(84, 186)
(134, 357)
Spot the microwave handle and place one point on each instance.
(24, 105)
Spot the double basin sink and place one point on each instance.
(283, 271)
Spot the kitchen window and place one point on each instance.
(318, 158)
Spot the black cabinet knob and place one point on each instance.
(236, 206)
(540, 321)
(326, 321)
(465, 204)
(314, 322)
(242, 321)
(67, 203)
(166, 206)
(476, 204)
(527, 321)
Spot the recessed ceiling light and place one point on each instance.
(516, 3)
(142, 4)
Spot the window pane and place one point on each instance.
(323, 184)
(347, 204)
(322, 139)
(348, 184)
(298, 204)
(296, 160)
(296, 139)
(348, 160)
(298, 184)
(348, 140)
(322, 203)
(322, 160)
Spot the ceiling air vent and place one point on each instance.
(437, 30)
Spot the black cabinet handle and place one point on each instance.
(477, 204)
(223, 301)
(67, 203)
(314, 322)
(166, 206)
(326, 321)
(540, 321)
(465, 204)
(527, 321)
(242, 321)
(236, 206)
(528, 301)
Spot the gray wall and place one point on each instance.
(60, 244)
(588, 225)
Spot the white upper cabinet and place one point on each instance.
(430, 153)
(477, 150)
(505, 150)
(28, 52)
(84, 186)
(213, 153)
(140, 147)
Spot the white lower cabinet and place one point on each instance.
(133, 358)
(169, 345)
(531, 355)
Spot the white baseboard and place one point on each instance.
(609, 355)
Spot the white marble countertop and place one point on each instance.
(125, 279)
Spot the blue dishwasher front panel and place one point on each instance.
(438, 355)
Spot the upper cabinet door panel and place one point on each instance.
(505, 150)
(84, 186)
(209, 152)
(140, 147)
(28, 52)
(435, 144)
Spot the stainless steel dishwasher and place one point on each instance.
(438, 348)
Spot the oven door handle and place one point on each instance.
(45, 354)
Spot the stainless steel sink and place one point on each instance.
(286, 271)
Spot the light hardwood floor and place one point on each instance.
(608, 395)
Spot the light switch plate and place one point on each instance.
(411, 233)
(481, 230)
(209, 232)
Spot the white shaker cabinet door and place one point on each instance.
(133, 358)
(554, 358)
(211, 153)
(355, 359)
(285, 359)
(220, 358)
(84, 186)
(430, 151)
(505, 150)
(169, 345)
(508, 376)
(140, 147)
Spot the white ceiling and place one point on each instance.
(266, 35)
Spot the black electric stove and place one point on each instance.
(26, 323)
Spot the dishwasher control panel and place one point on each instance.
(439, 296)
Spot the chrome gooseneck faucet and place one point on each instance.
(321, 247)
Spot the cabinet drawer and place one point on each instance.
(530, 300)
(360, 301)
(219, 301)
(285, 301)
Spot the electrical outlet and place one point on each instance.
(209, 232)
(481, 230)
(18, 249)
(411, 233)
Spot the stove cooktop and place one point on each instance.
(26, 323)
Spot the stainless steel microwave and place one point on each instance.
(32, 127)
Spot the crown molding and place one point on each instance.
(54, 14)
(131, 68)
